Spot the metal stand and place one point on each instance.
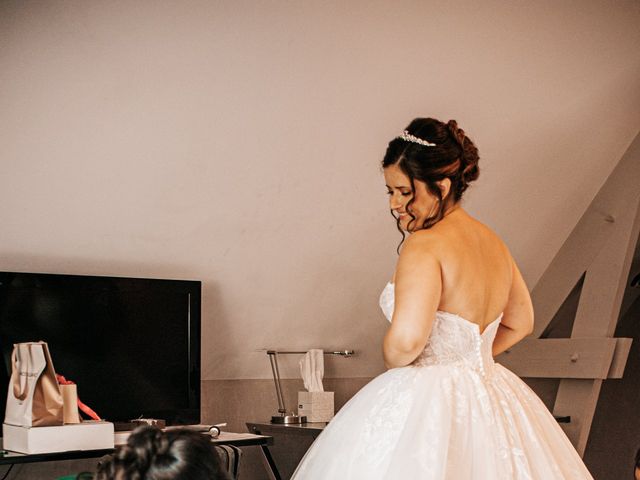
(282, 417)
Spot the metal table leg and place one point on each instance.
(269, 464)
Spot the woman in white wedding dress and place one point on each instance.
(445, 409)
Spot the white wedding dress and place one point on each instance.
(452, 414)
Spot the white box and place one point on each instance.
(316, 406)
(88, 435)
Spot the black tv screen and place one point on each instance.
(132, 345)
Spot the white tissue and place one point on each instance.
(312, 370)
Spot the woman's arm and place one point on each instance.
(517, 319)
(418, 285)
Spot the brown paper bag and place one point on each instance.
(34, 398)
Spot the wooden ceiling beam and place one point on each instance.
(585, 358)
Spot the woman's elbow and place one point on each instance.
(529, 331)
(530, 325)
(523, 325)
(399, 352)
(394, 359)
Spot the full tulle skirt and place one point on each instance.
(441, 422)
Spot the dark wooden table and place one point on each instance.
(291, 442)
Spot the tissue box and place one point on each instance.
(89, 435)
(316, 406)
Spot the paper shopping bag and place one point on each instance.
(34, 398)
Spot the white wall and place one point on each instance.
(238, 143)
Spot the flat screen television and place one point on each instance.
(132, 345)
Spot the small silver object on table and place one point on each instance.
(153, 422)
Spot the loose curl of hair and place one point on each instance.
(151, 454)
(454, 156)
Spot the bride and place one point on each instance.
(444, 409)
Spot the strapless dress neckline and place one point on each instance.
(391, 285)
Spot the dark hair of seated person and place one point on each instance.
(151, 454)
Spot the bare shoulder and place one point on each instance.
(457, 237)
(423, 242)
(497, 239)
(421, 251)
(488, 233)
(419, 265)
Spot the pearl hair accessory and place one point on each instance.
(406, 136)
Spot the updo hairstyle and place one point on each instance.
(151, 454)
(454, 156)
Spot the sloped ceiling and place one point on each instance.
(239, 143)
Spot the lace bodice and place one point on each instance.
(453, 340)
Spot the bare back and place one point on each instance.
(476, 268)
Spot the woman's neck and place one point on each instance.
(451, 213)
(456, 207)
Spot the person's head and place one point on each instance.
(636, 471)
(427, 169)
(151, 454)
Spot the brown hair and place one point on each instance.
(454, 156)
(151, 454)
